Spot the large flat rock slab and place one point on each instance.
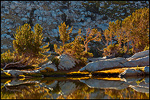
(104, 64)
(144, 61)
(138, 59)
(139, 55)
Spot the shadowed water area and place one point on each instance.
(75, 88)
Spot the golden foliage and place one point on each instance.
(27, 45)
(132, 32)
(79, 47)
(64, 33)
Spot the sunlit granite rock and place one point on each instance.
(16, 73)
(139, 55)
(66, 62)
(104, 64)
(144, 61)
(138, 59)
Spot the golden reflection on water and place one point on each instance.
(25, 92)
(81, 90)
(127, 93)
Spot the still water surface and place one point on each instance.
(75, 88)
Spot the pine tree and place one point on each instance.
(136, 27)
(118, 32)
(133, 30)
(140, 28)
(28, 43)
(64, 32)
(28, 46)
(74, 49)
(90, 36)
(126, 29)
(106, 33)
(111, 32)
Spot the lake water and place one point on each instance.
(75, 88)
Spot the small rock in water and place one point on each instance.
(130, 72)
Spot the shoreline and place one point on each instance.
(104, 73)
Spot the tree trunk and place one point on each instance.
(86, 47)
(107, 43)
(63, 43)
(133, 46)
(128, 46)
(13, 63)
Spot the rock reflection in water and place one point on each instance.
(104, 84)
(50, 88)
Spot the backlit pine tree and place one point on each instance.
(64, 32)
(28, 46)
(90, 36)
(132, 32)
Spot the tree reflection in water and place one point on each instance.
(79, 91)
(127, 93)
(24, 92)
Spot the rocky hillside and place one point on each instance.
(50, 14)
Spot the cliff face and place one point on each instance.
(50, 14)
